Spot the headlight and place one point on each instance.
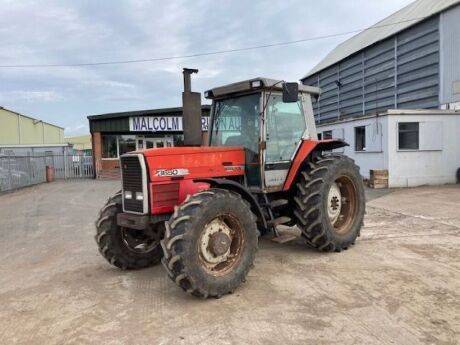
(128, 195)
(139, 196)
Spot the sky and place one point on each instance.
(67, 32)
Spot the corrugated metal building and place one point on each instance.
(374, 83)
(409, 60)
(19, 129)
(23, 135)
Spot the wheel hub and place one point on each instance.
(219, 243)
(215, 242)
(334, 203)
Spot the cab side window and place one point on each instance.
(285, 127)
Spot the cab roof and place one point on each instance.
(256, 84)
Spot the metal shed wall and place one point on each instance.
(450, 55)
(400, 72)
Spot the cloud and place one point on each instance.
(32, 96)
(53, 31)
(76, 129)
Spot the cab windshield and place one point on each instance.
(236, 122)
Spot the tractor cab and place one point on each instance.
(269, 118)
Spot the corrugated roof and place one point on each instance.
(405, 18)
(31, 118)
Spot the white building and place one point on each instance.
(417, 147)
(372, 82)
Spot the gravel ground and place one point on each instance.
(400, 284)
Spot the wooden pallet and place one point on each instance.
(378, 179)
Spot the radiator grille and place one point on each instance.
(132, 180)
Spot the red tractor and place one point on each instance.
(201, 209)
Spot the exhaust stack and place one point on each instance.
(191, 110)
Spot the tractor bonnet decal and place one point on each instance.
(171, 172)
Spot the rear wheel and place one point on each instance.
(330, 203)
(123, 247)
(210, 243)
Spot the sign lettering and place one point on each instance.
(161, 123)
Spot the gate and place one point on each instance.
(22, 171)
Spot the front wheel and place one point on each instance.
(210, 243)
(123, 247)
(330, 203)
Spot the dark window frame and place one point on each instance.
(105, 154)
(360, 139)
(126, 143)
(404, 136)
(327, 135)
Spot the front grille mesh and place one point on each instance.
(132, 182)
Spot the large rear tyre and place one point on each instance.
(330, 203)
(126, 248)
(210, 243)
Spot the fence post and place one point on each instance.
(65, 164)
(28, 168)
(44, 165)
(10, 178)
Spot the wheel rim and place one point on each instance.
(220, 244)
(342, 204)
(138, 242)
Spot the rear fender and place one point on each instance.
(240, 189)
(306, 150)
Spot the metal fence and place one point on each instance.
(22, 171)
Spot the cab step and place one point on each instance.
(278, 203)
(278, 221)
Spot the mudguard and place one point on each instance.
(240, 189)
(303, 153)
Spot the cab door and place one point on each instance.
(285, 127)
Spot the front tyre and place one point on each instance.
(123, 247)
(330, 203)
(210, 243)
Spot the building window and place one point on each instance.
(109, 146)
(360, 138)
(327, 135)
(408, 136)
(126, 143)
(178, 139)
(320, 136)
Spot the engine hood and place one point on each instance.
(166, 164)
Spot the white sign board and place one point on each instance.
(161, 123)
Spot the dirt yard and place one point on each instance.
(400, 284)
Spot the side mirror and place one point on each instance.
(290, 92)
